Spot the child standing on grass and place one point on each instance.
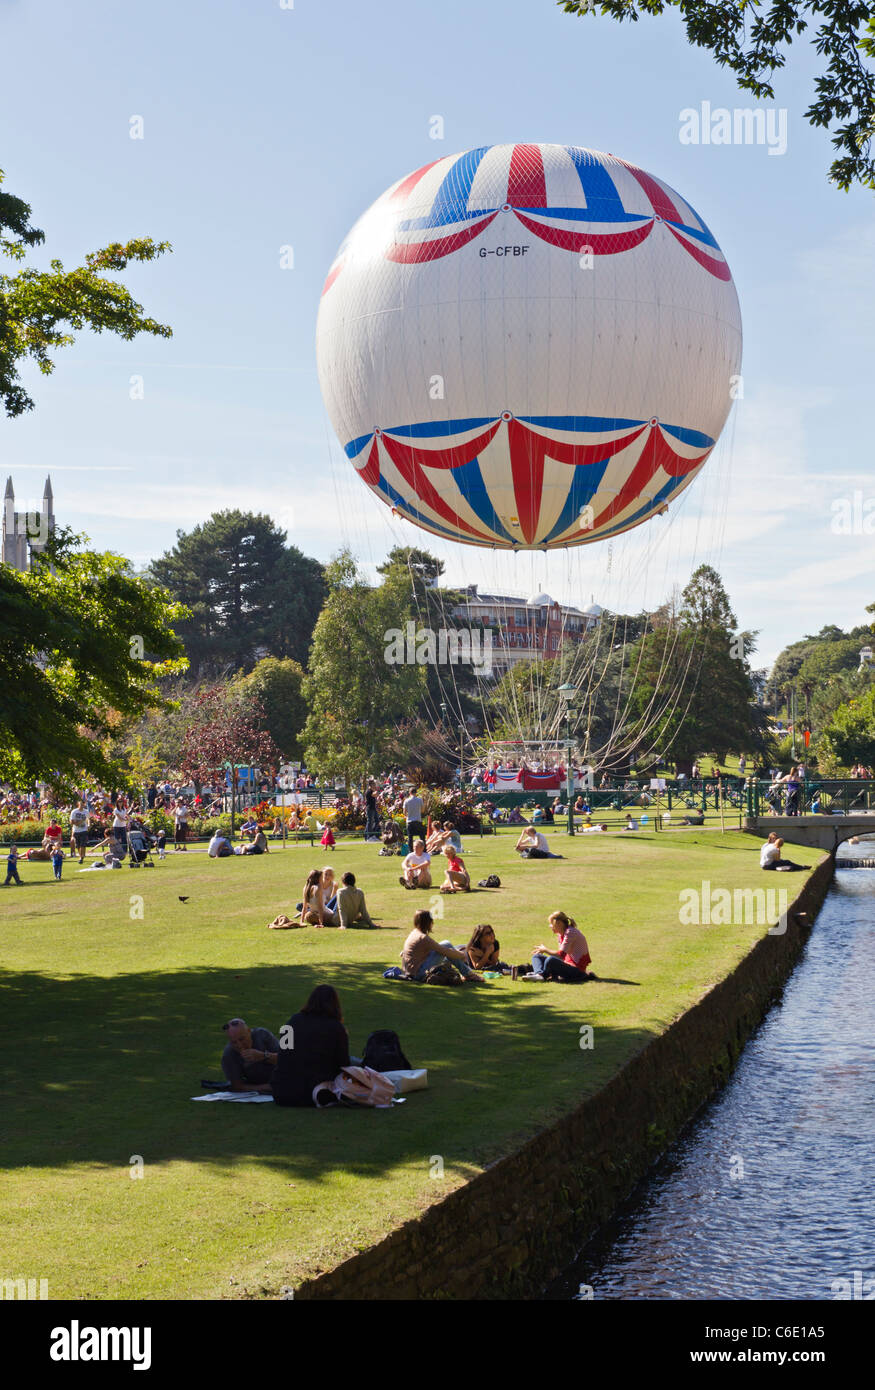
(12, 867)
(58, 860)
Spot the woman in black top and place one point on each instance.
(313, 1052)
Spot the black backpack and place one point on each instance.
(383, 1052)
(493, 881)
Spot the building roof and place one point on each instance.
(514, 601)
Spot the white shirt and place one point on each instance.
(119, 820)
(416, 861)
(769, 853)
(540, 841)
(215, 845)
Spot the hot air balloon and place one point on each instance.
(528, 346)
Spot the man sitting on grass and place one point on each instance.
(532, 844)
(250, 1056)
(351, 907)
(259, 843)
(421, 952)
(417, 867)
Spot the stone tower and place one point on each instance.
(24, 532)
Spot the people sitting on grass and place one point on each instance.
(442, 835)
(318, 1048)
(532, 844)
(54, 835)
(457, 879)
(259, 843)
(482, 950)
(41, 854)
(631, 822)
(417, 867)
(329, 888)
(392, 835)
(249, 827)
(351, 908)
(112, 850)
(569, 961)
(314, 913)
(594, 829)
(771, 857)
(250, 1056)
(515, 816)
(421, 952)
(220, 846)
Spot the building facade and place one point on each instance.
(525, 629)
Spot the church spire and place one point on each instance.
(48, 495)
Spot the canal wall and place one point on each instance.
(517, 1225)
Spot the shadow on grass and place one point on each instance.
(103, 1068)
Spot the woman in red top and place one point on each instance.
(568, 963)
(457, 875)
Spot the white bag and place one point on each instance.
(414, 1080)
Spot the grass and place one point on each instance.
(111, 1019)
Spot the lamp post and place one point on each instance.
(568, 700)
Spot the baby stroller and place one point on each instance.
(139, 852)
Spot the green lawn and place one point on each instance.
(111, 1020)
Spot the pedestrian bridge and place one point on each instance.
(818, 832)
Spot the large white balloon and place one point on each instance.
(528, 345)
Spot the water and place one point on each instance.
(769, 1193)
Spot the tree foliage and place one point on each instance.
(83, 645)
(752, 39)
(356, 698)
(41, 309)
(276, 688)
(850, 735)
(246, 589)
(226, 731)
(703, 662)
(451, 684)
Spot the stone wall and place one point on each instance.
(516, 1226)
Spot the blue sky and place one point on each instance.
(267, 127)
